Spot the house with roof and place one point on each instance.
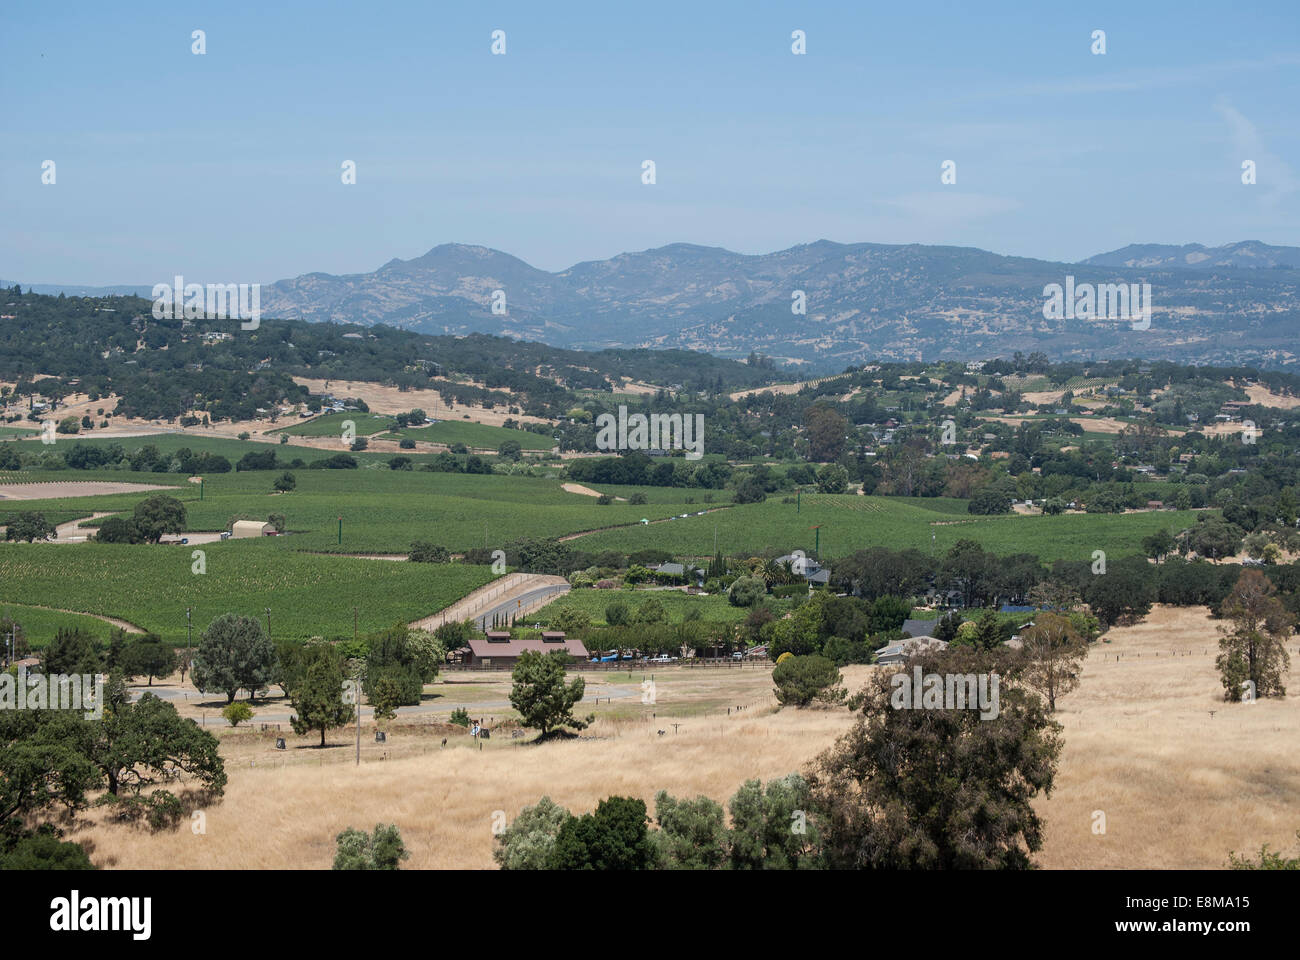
(903, 650)
(806, 567)
(919, 628)
(695, 574)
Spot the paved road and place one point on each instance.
(524, 601)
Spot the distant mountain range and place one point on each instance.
(1239, 303)
(1250, 254)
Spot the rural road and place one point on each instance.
(522, 603)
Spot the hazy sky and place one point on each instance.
(226, 167)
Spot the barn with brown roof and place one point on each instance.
(499, 649)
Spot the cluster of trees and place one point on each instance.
(28, 526)
(152, 517)
(53, 761)
(769, 830)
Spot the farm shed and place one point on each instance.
(499, 649)
(251, 528)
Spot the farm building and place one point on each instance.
(251, 528)
(499, 649)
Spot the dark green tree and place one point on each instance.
(540, 695)
(613, 838)
(148, 657)
(234, 654)
(317, 698)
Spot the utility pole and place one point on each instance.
(189, 633)
(268, 622)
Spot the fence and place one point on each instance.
(625, 666)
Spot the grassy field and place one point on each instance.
(480, 435)
(851, 523)
(1179, 788)
(150, 586)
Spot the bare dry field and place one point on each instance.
(1258, 393)
(391, 400)
(54, 489)
(1178, 787)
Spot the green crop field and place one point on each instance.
(848, 524)
(331, 425)
(150, 586)
(39, 626)
(676, 604)
(479, 435)
(383, 510)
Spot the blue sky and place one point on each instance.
(226, 167)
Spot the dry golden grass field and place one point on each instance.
(1179, 788)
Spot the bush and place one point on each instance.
(528, 842)
(746, 592)
(384, 850)
(237, 713)
(406, 443)
(422, 551)
(801, 680)
(340, 461)
(285, 482)
(460, 717)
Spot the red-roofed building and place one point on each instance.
(499, 649)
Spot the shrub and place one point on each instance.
(237, 713)
(746, 592)
(422, 551)
(357, 850)
(460, 717)
(801, 680)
